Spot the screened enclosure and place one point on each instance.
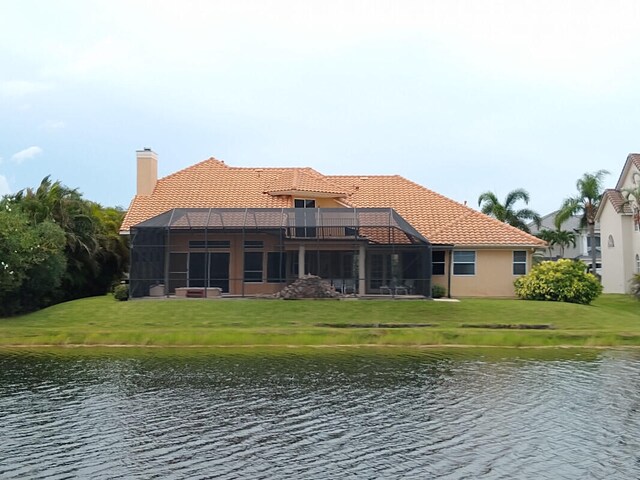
(258, 251)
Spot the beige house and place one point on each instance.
(249, 231)
(619, 219)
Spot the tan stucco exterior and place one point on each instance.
(493, 274)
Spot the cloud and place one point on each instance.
(21, 88)
(4, 186)
(26, 154)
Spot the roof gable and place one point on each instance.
(304, 180)
(631, 166)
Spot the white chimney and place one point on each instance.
(147, 171)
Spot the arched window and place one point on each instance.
(610, 242)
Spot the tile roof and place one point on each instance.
(213, 184)
(440, 219)
(633, 159)
(618, 202)
(304, 180)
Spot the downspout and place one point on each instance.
(449, 273)
(207, 257)
(244, 222)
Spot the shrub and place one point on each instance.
(438, 291)
(561, 281)
(121, 292)
(635, 286)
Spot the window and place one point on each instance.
(253, 244)
(464, 263)
(519, 262)
(637, 263)
(209, 244)
(253, 267)
(276, 267)
(610, 242)
(597, 243)
(437, 263)
(305, 220)
(304, 203)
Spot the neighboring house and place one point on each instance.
(251, 231)
(620, 230)
(582, 250)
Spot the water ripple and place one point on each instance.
(434, 415)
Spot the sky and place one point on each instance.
(462, 97)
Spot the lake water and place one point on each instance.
(452, 414)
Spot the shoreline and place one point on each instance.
(321, 347)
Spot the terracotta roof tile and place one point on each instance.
(304, 180)
(213, 184)
(438, 218)
(618, 202)
(635, 159)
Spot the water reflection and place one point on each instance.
(370, 414)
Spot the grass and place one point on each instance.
(612, 320)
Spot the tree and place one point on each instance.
(635, 286)
(632, 198)
(585, 204)
(32, 260)
(558, 237)
(96, 255)
(505, 212)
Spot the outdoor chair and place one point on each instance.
(349, 286)
(406, 287)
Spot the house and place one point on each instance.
(251, 231)
(582, 249)
(620, 229)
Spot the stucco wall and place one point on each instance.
(613, 261)
(493, 277)
(618, 262)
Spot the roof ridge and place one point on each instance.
(195, 165)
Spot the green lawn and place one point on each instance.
(612, 320)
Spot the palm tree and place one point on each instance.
(548, 236)
(558, 237)
(585, 204)
(632, 198)
(564, 238)
(505, 212)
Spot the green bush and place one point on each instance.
(635, 286)
(121, 292)
(438, 291)
(561, 281)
